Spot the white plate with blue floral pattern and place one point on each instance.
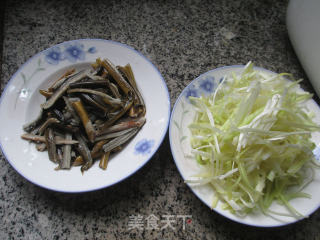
(183, 114)
(20, 103)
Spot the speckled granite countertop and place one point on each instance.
(183, 39)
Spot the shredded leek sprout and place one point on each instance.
(253, 139)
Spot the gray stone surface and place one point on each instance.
(183, 39)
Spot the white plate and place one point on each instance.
(20, 103)
(183, 114)
(303, 20)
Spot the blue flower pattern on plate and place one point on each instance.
(92, 50)
(53, 55)
(74, 52)
(207, 84)
(191, 91)
(144, 146)
(316, 153)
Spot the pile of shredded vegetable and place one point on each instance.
(253, 139)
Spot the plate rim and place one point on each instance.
(180, 171)
(156, 146)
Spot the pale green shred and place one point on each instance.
(252, 138)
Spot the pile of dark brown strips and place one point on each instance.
(88, 115)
